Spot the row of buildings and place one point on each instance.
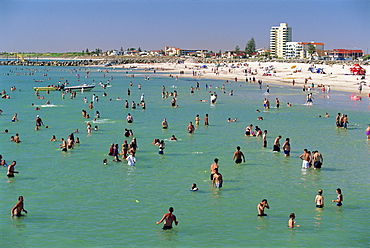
(282, 46)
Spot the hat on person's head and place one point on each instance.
(37, 116)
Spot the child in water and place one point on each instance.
(194, 187)
(291, 222)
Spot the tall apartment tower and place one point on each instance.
(279, 36)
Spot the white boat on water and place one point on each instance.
(81, 87)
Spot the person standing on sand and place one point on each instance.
(261, 207)
(238, 155)
(168, 219)
(18, 208)
(276, 147)
(286, 147)
(319, 199)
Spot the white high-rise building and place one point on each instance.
(279, 36)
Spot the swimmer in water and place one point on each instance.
(194, 187)
(190, 128)
(238, 155)
(168, 219)
(53, 138)
(291, 222)
(261, 207)
(18, 208)
(206, 123)
(15, 117)
(164, 123)
(319, 199)
(339, 197)
(11, 170)
(367, 132)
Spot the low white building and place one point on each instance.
(172, 51)
(299, 50)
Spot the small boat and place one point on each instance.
(45, 88)
(82, 87)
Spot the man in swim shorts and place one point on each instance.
(217, 179)
(168, 218)
(319, 199)
(11, 170)
(261, 207)
(317, 160)
(276, 147)
(190, 128)
(18, 208)
(305, 156)
(39, 122)
(238, 155)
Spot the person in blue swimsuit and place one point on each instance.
(339, 197)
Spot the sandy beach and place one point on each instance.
(336, 76)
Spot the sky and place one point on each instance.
(76, 25)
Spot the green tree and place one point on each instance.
(311, 50)
(220, 52)
(250, 48)
(237, 49)
(366, 57)
(139, 50)
(87, 50)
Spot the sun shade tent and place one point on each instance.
(356, 69)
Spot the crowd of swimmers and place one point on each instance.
(128, 150)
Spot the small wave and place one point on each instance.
(102, 121)
(49, 106)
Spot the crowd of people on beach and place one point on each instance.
(129, 149)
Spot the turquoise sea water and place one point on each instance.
(73, 200)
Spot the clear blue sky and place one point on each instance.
(66, 25)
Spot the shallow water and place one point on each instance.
(74, 200)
